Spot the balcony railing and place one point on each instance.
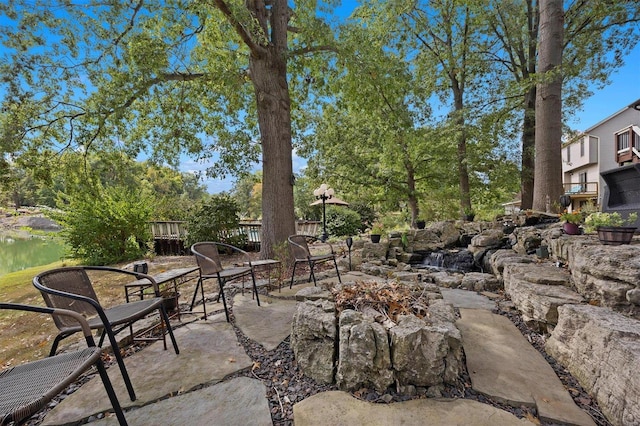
(628, 145)
(578, 188)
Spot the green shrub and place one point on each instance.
(216, 220)
(105, 225)
(367, 215)
(342, 222)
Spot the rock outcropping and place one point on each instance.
(363, 349)
(601, 348)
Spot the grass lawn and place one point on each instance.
(27, 336)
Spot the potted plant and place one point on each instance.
(611, 227)
(421, 223)
(571, 220)
(376, 232)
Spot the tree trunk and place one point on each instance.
(528, 150)
(548, 163)
(412, 199)
(269, 77)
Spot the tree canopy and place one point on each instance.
(236, 84)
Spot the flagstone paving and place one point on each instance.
(190, 388)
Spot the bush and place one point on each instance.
(104, 226)
(343, 222)
(367, 215)
(216, 220)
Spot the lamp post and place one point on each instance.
(324, 193)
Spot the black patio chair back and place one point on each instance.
(26, 389)
(68, 280)
(299, 246)
(207, 255)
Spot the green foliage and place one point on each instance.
(105, 225)
(342, 222)
(597, 219)
(247, 192)
(366, 212)
(215, 220)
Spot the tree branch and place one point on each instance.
(313, 49)
(240, 29)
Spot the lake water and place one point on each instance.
(19, 251)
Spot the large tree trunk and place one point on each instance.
(527, 171)
(461, 141)
(548, 167)
(528, 150)
(268, 73)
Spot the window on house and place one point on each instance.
(582, 148)
(569, 154)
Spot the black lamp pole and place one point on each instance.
(324, 193)
(349, 242)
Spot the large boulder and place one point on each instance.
(364, 357)
(501, 258)
(607, 273)
(313, 338)
(601, 349)
(418, 352)
(478, 281)
(375, 251)
(537, 290)
(436, 236)
(427, 353)
(526, 240)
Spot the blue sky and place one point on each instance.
(623, 90)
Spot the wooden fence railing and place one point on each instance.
(176, 230)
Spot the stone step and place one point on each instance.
(504, 366)
(340, 408)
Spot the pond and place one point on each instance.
(20, 250)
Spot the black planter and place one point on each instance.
(375, 238)
(421, 224)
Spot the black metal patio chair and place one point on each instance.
(299, 245)
(71, 288)
(208, 257)
(26, 389)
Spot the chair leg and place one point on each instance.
(255, 289)
(123, 368)
(337, 271)
(224, 299)
(195, 294)
(56, 342)
(312, 275)
(112, 394)
(293, 274)
(165, 319)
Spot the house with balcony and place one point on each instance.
(611, 143)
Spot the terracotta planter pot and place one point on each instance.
(571, 228)
(615, 235)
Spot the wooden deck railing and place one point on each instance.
(176, 230)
